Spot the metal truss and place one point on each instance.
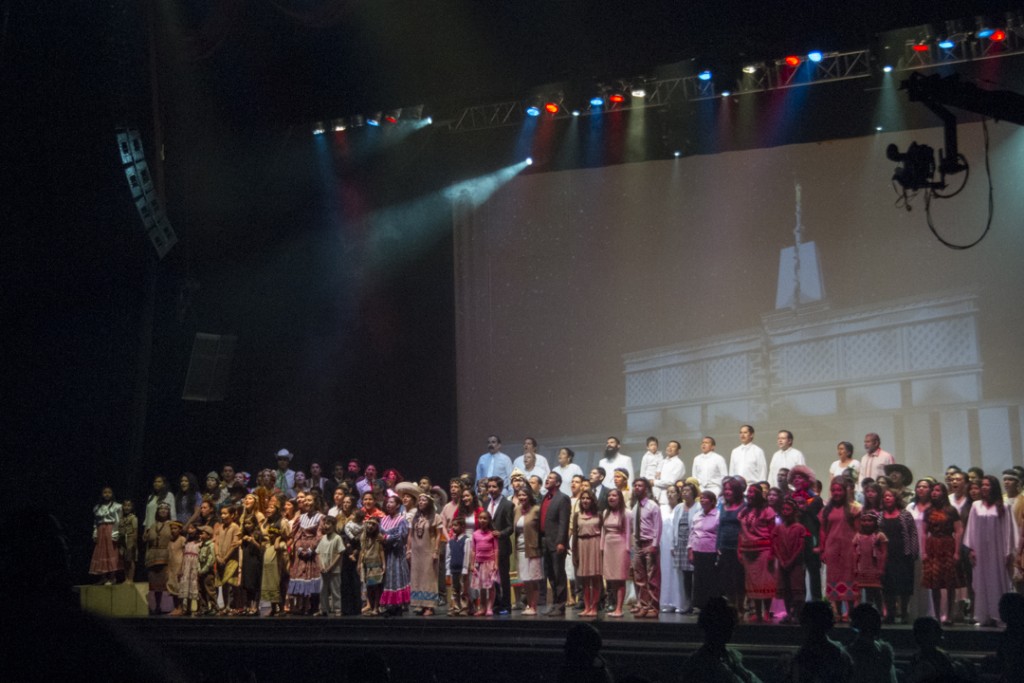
(489, 116)
(966, 48)
(834, 66)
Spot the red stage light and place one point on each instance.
(616, 98)
(551, 108)
(998, 36)
(792, 60)
(919, 48)
(390, 119)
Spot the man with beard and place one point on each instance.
(613, 460)
(872, 464)
(494, 463)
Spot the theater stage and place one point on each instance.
(463, 648)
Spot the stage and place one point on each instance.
(462, 648)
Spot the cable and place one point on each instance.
(991, 203)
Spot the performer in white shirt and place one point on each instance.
(566, 469)
(709, 467)
(531, 462)
(786, 456)
(747, 459)
(872, 464)
(651, 462)
(613, 460)
(671, 470)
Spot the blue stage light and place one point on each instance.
(814, 56)
(529, 161)
(887, 68)
(533, 110)
(985, 32)
(704, 76)
(596, 101)
(947, 44)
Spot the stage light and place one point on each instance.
(677, 153)
(374, 120)
(339, 127)
(985, 33)
(575, 112)
(429, 120)
(596, 101)
(638, 91)
(533, 110)
(529, 161)
(749, 69)
(947, 44)
(887, 68)
(726, 93)
(998, 36)
(792, 60)
(920, 47)
(704, 75)
(616, 98)
(814, 56)
(878, 128)
(318, 128)
(551, 108)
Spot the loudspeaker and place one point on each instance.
(140, 182)
(209, 366)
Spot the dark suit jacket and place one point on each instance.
(556, 523)
(601, 497)
(503, 522)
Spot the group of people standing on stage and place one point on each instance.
(767, 535)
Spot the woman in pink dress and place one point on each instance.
(838, 526)
(586, 552)
(757, 520)
(615, 548)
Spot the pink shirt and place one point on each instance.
(485, 546)
(873, 464)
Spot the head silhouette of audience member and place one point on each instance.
(718, 621)
(583, 662)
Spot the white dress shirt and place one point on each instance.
(747, 461)
(672, 470)
(620, 460)
(788, 458)
(710, 469)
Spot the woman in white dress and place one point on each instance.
(989, 539)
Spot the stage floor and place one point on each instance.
(441, 647)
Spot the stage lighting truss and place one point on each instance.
(965, 46)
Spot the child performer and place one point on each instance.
(106, 518)
(371, 565)
(328, 553)
(251, 554)
(175, 557)
(207, 572)
(275, 558)
(788, 541)
(227, 540)
(457, 561)
(128, 539)
(485, 564)
(351, 598)
(870, 547)
(188, 577)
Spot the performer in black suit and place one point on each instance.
(502, 516)
(597, 476)
(554, 529)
